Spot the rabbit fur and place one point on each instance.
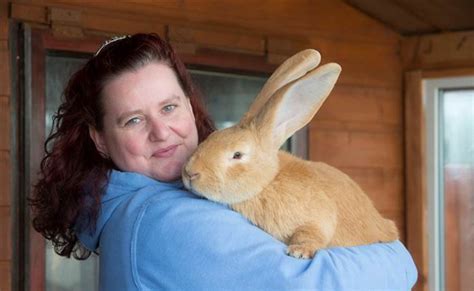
(307, 205)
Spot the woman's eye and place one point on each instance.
(133, 121)
(169, 108)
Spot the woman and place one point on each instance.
(111, 183)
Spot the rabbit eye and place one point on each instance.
(237, 156)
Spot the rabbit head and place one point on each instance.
(234, 164)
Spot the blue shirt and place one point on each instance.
(153, 235)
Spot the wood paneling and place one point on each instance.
(363, 105)
(5, 178)
(298, 17)
(357, 148)
(5, 161)
(29, 13)
(233, 42)
(415, 159)
(448, 50)
(421, 16)
(393, 15)
(5, 242)
(5, 87)
(4, 123)
(5, 278)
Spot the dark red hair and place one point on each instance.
(73, 174)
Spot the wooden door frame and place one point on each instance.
(415, 169)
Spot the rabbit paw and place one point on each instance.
(301, 251)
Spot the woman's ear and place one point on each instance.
(99, 141)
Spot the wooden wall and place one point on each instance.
(5, 156)
(359, 129)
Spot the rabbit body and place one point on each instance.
(307, 205)
(311, 205)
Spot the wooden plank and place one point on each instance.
(3, 20)
(447, 50)
(121, 24)
(443, 14)
(5, 178)
(356, 149)
(416, 193)
(436, 73)
(5, 87)
(29, 13)
(363, 104)
(383, 185)
(394, 15)
(5, 275)
(5, 233)
(220, 40)
(4, 123)
(355, 126)
(337, 49)
(370, 74)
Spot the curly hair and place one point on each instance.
(73, 174)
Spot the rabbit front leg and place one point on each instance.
(308, 239)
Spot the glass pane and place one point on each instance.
(457, 128)
(62, 273)
(227, 96)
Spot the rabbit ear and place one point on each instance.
(293, 68)
(294, 105)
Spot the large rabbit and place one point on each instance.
(307, 205)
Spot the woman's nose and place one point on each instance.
(159, 130)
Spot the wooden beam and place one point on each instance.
(194, 38)
(439, 51)
(29, 13)
(416, 193)
(394, 15)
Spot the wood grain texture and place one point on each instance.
(416, 193)
(5, 230)
(5, 179)
(441, 51)
(299, 17)
(5, 123)
(357, 148)
(5, 275)
(233, 42)
(5, 86)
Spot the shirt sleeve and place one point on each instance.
(186, 243)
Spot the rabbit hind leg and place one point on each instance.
(307, 240)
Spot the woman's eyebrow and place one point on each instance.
(170, 99)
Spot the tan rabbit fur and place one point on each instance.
(307, 205)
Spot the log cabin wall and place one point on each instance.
(359, 129)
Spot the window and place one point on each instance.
(449, 107)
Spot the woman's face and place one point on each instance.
(149, 125)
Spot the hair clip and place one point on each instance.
(109, 41)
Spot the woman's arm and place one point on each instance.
(189, 243)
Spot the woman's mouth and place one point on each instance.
(165, 152)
